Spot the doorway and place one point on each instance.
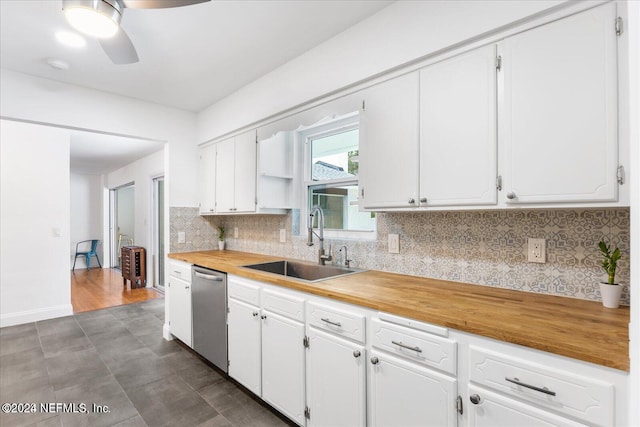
(158, 233)
(122, 207)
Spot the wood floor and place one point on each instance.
(103, 287)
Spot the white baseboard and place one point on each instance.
(19, 318)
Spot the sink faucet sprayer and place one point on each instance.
(322, 258)
(347, 261)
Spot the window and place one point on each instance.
(331, 171)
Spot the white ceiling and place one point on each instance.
(190, 57)
(97, 154)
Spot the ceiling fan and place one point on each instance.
(101, 19)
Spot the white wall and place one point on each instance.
(41, 100)
(34, 223)
(141, 172)
(86, 215)
(398, 34)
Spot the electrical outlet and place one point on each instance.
(283, 235)
(235, 232)
(394, 244)
(181, 237)
(536, 251)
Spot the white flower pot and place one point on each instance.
(221, 245)
(610, 295)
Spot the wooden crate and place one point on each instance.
(134, 266)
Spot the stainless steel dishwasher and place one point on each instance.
(209, 315)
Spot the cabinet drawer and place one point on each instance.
(349, 324)
(421, 347)
(578, 396)
(283, 304)
(181, 270)
(243, 290)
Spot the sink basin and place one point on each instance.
(303, 270)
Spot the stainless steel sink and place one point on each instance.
(304, 271)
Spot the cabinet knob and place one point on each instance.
(423, 200)
(412, 201)
(356, 353)
(511, 195)
(264, 316)
(255, 314)
(186, 287)
(375, 360)
(475, 399)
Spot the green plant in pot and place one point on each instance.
(610, 290)
(221, 237)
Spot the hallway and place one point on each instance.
(98, 288)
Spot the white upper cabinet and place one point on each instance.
(559, 126)
(236, 174)
(237, 177)
(207, 179)
(389, 145)
(458, 138)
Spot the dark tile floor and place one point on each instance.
(116, 357)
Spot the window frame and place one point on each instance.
(322, 129)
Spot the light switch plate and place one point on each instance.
(235, 232)
(536, 250)
(394, 244)
(181, 237)
(283, 235)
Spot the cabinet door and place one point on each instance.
(406, 394)
(335, 381)
(244, 344)
(245, 172)
(180, 309)
(207, 179)
(494, 410)
(458, 137)
(560, 111)
(225, 176)
(389, 145)
(283, 365)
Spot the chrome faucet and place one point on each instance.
(322, 257)
(346, 255)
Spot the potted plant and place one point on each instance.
(610, 290)
(221, 237)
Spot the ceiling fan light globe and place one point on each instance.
(100, 22)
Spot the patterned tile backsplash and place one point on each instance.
(479, 247)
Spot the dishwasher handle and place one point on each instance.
(209, 276)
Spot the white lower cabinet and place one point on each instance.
(244, 336)
(283, 365)
(266, 344)
(406, 394)
(487, 409)
(180, 301)
(326, 363)
(336, 381)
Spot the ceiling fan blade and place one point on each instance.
(159, 4)
(120, 48)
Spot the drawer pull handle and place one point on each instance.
(399, 344)
(338, 324)
(177, 272)
(532, 387)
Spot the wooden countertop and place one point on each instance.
(579, 329)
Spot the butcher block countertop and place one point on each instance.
(569, 327)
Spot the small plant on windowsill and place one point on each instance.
(221, 237)
(610, 290)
